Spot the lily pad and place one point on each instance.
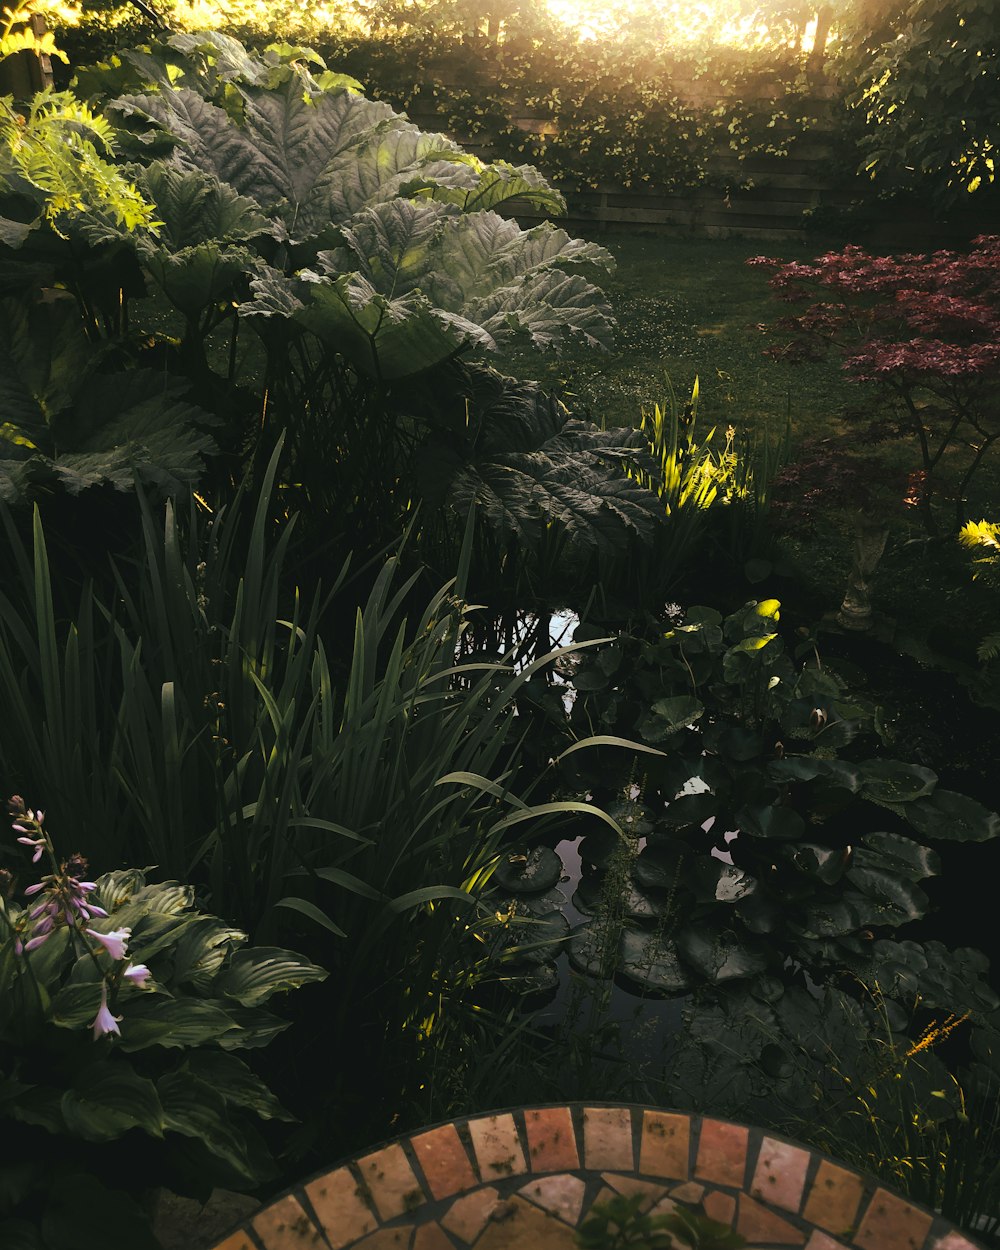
(719, 956)
(633, 902)
(593, 950)
(652, 962)
(891, 781)
(897, 900)
(953, 817)
(597, 848)
(898, 854)
(528, 872)
(656, 868)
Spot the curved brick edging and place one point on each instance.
(524, 1179)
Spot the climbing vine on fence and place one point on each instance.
(590, 115)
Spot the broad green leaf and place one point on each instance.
(678, 711)
(890, 781)
(651, 961)
(257, 972)
(107, 1100)
(952, 817)
(896, 853)
(194, 208)
(201, 950)
(235, 1083)
(897, 901)
(719, 956)
(193, 1108)
(500, 182)
(152, 1020)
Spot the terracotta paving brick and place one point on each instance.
(467, 1216)
(237, 1241)
(953, 1241)
(890, 1223)
(664, 1207)
(688, 1192)
(522, 1226)
(780, 1175)
(340, 1208)
(285, 1226)
(722, 1153)
(444, 1161)
(390, 1182)
(833, 1199)
(432, 1237)
(551, 1139)
(631, 1185)
(559, 1195)
(720, 1206)
(665, 1147)
(758, 1224)
(387, 1239)
(607, 1139)
(498, 1150)
(820, 1241)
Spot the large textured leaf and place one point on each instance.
(417, 282)
(526, 463)
(44, 355)
(500, 182)
(193, 207)
(206, 139)
(194, 278)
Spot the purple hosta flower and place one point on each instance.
(104, 1022)
(37, 843)
(137, 975)
(115, 942)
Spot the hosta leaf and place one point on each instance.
(107, 1100)
(151, 1020)
(193, 1108)
(953, 817)
(255, 973)
(233, 1081)
(202, 949)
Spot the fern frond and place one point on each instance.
(980, 534)
(59, 147)
(989, 648)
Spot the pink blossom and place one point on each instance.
(104, 1022)
(115, 942)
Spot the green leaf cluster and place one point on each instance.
(170, 1093)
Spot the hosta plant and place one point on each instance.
(122, 1008)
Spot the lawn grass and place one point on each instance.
(692, 308)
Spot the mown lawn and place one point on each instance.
(692, 308)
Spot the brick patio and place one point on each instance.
(524, 1179)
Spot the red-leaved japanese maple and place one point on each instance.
(925, 328)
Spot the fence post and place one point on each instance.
(26, 72)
